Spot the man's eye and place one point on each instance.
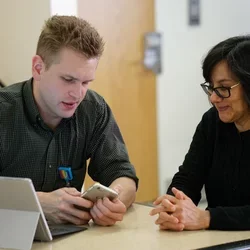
(68, 79)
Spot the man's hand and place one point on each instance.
(59, 206)
(179, 212)
(106, 212)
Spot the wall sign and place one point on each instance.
(194, 12)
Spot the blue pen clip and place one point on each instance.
(66, 174)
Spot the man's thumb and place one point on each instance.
(72, 191)
(118, 188)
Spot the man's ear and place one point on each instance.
(37, 67)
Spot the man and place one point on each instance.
(52, 124)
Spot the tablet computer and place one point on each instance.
(19, 194)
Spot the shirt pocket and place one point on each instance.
(78, 178)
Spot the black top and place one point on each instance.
(219, 157)
(29, 148)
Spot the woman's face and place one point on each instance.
(235, 108)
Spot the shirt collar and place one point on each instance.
(29, 101)
(31, 107)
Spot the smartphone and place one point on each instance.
(98, 191)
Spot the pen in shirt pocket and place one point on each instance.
(66, 174)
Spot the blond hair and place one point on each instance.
(68, 32)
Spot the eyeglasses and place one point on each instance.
(223, 92)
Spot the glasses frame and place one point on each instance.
(206, 87)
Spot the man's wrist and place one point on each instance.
(40, 196)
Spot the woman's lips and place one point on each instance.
(221, 109)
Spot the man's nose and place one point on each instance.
(76, 91)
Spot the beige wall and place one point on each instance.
(20, 25)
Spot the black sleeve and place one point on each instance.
(109, 158)
(192, 173)
(230, 218)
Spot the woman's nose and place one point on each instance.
(214, 98)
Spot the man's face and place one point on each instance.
(59, 89)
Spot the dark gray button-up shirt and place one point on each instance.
(29, 148)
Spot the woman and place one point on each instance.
(219, 155)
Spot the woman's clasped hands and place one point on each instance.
(178, 212)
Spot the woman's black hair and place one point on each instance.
(236, 52)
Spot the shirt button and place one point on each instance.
(50, 166)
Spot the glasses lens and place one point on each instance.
(222, 92)
(207, 89)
